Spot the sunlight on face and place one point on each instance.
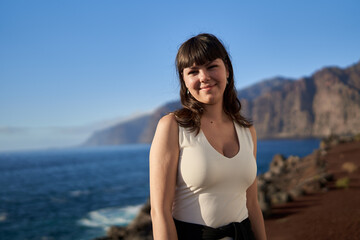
(207, 82)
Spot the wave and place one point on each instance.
(77, 193)
(106, 217)
(3, 216)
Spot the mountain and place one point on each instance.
(327, 102)
(137, 130)
(263, 87)
(128, 132)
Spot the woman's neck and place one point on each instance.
(214, 113)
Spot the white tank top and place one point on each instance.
(211, 188)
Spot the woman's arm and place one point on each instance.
(255, 214)
(164, 154)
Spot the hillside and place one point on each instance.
(327, 102)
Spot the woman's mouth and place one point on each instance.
(207, 87)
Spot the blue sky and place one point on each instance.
(70, 67)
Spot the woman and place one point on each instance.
(202, 159)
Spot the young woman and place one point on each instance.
(202, 158)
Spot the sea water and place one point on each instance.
(77, 193)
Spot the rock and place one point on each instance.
(290, 178)
(277, 164)
(349, 167)
(280, 197)
(139, 229)
(268, 175)
(296, 192)
(292, 162)
(333, 140)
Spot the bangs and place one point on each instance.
(198, 51)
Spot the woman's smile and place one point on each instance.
(207, 86)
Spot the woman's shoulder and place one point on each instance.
(168, 123)
(168, 119)
(166, 135)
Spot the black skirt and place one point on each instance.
(236, 230)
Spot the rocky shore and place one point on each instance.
(287, 191)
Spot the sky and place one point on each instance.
(68, 68)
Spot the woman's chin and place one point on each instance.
(210, 101)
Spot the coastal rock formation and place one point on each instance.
(328, 102)
(330, 214)
(289, 178)
(139, 229)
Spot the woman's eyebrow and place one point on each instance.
(197, 66)
(193, 67)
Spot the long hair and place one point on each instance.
(199, 50)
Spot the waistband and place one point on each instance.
(236, 230)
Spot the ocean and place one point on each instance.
(77, 193)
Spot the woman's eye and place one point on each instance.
(192, 72)
(212, 66)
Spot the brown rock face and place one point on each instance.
(286, 112)
(337, 101)
(326, 103)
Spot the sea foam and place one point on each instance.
(3, 216)
(77, 193)
(106, 217)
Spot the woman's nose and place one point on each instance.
(204, 76)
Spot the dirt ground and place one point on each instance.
(334, 214)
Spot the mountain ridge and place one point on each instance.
(327, 102)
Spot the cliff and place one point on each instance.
(128, 132)
(327, 102)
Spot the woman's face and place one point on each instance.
(207, 83)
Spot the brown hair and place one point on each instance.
(201, 49)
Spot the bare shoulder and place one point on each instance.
(168, 123)
(165, 141)
(167, 132)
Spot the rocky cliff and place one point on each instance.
(328, 102)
